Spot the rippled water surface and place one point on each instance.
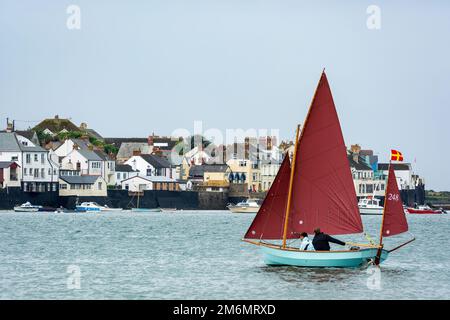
(198, 255)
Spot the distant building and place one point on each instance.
(150, 165)
(139, 184)
(39, 170)
(123, 172)
(9, 174)
(53, 126)
(86, 185)
(209, 177)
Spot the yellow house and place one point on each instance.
(214, 176)
(82, 186)
(245, 171)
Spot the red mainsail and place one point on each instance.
(394, 220)
(269, 222)
(323, 194)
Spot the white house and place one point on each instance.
(9, 174)
(39, 173)
(73, 185)
(268, 172)
(150, 165)
(90, 162)
(138, 183)
(403, 173)
(123, 172)
(69, 144)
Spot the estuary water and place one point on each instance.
(199, 255)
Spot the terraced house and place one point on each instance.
(38, 167)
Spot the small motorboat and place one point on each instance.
(95, 207)
(247, 206)
(424, 210)
(27, 207)
(370, 206)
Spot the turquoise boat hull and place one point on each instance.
(330, 259)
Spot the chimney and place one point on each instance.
(91, 147)
(83, 126)
(355, 148)
(136, 152)
(75, 146)
(85, 138)
(150, 140)
(56, 116)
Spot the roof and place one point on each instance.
(152, 179)
(29, 134)
(156, 161)
(80, 179)
(83, 144)
(8, 142)
(118, 141)
(89, 155)
(55, 125)
(127, 148)
(397, 166)
(360, 165)
(124, 168)
(7, 164)
(94, 134)
(102, 155)
(196, 171)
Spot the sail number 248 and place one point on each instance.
(393, 197)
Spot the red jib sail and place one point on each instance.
(323, 194)
(269, 222)
(394, 220)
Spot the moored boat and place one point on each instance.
(424, 210)
(247, 206)
(94, 207)
(27, 207)
(370, 206)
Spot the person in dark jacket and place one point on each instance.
(321, 241)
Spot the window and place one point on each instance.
(54, 187)
(14, 158)
(149, 172)
(36, 173)
(42, 158)
(28, 158)
(31, 171)
(49, 171)
(35, 157)
(124, 175)
(99, 186)
(118, 175)
(42, 173)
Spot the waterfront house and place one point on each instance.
(150, 165)
(406, 180)
(129, 149)
(210, 177)
(90, 162)
(9, 174)
(82, 186)
(39, 171)
(123, 172)
(139, 183)
(268, 170)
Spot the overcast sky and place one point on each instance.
(137, 67)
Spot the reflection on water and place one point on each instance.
(199, 255)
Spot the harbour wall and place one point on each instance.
(187, 200)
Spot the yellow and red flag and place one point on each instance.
(396, 155)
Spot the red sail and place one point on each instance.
(394, 220)
(323, 194)
(269, 222)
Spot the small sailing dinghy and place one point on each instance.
(315, 191)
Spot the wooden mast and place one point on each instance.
(291, 183)
(380, 245)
